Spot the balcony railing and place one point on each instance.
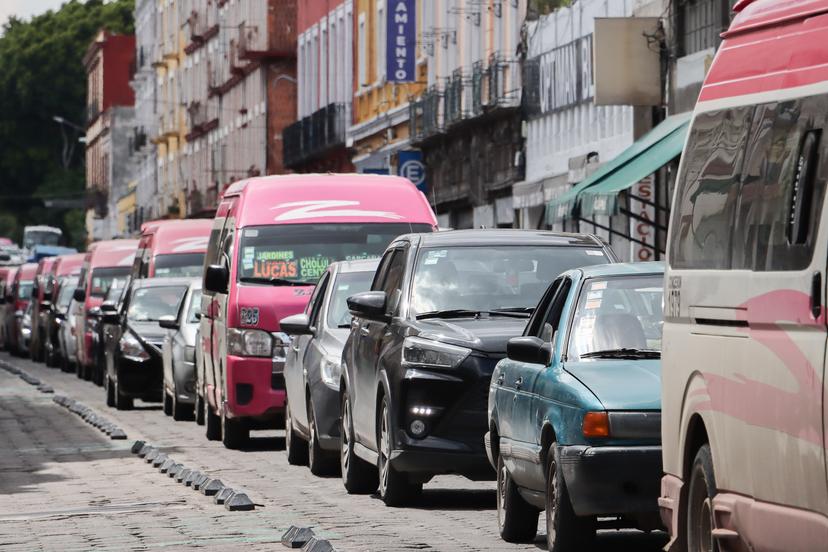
(315, 135)
(454, 98)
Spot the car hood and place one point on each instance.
(149, 331)
(487, 335)
(621, 384)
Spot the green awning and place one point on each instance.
(650, 152)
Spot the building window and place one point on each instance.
(700, 22)
(362, 53)
(380, 35)
(323, 64)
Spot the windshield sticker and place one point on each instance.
(437, 253)
(343, 287)
(275, 269)
(361, 257)
(595, 295)
(251, 233)
(313, 267)
(429, 261)
(250, 316)
(594, 304)
(248, 256)
(598, 285)
(594, 253)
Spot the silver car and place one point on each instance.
(178, 352)
(312, 369)
(63, 309)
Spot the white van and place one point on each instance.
(743, 377)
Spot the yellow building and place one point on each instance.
(127, 225)
(171, 127)
(379, 128)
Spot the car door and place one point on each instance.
(372, 335)
(220, 311)
(301, 351)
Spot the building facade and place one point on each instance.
(110, 126)
(468, 121)
(316, 142)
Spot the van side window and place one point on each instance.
(211, 256)
(709, 189)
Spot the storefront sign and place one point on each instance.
(640, 229)
(563, 77)
(402, 41)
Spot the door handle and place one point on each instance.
(816, 294)
(500, 379)
(364, 331)
(519, 383)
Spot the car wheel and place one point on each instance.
(564, 530)
(517, 520)
(109, 389)
(394, 487)
(122, 402)
(700, 521)
(234, 433)
(168, 408)
(358, 476)
(296, 448)
(212, 423)
(180, 412)
(320, 461)
(199, 410)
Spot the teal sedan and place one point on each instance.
(575, 409)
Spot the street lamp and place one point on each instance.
(68, 145)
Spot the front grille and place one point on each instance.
(277, 381)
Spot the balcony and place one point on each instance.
(315, 135)
(481, 88)
(455, 98)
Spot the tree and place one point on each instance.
(41, 76)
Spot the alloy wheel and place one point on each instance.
(345, 453)
(384, 450)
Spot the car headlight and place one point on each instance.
(281, 342)
(250, 343)
(432, 354)
(131, 348)
(330, 369)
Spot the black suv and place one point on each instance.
(424, 342)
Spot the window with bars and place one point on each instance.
(700, 22)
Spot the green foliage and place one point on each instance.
(42, 76)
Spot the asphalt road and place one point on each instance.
(66, 486)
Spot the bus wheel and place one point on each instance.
(700, 521)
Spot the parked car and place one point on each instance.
(24, 330)
(96, 315)
(424, 343)
(64, 314)
(272, 238)
(21, 294)
(40, 293)
(171, 248)
(178, 352)
(7, 274)
(133, 339)
(574, 409)
(66, 270)
(313, 366)
(104, 261)
(744, 378)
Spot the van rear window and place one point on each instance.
(300, 253)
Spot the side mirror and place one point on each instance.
(94, 311)
(45, 305)
(370, 305)
(216, 278)
(18, 314)
(79, 295)
(198, 316)
(60, 315)
(532, 350)
(168, 322)
(298, 324)
(108, 307)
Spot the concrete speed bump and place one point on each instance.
(142, 453)
(191, 477)
(223, 495)
(152, 455)
(211, 487)
(239, 502)
(137, 446)
(297, 537)
(318, 545)
(199, 481)
(159, 460)
(174, 469)
(182, 474)
(165, 467)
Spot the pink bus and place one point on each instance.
(272, 239)
(172, 248)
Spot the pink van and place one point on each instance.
(172, 248)
(272, 238)
(105, 261)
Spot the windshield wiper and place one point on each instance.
(464, 313)
(624, 353)
(276, 282)
(523, 312)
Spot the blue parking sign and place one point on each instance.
(410, 165)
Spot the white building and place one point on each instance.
(146, 111)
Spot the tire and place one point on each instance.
(167, 403)
(700, 522)
(199, 410)
(394, 487)
(234, 434)
(212, 423)
(109, 389)
(180, 412)
(122, 402)
(321, 462)
(564, 530)
(517, 520)
(358, 476)
(295, 447)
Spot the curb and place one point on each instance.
(233, 500)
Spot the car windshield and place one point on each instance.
(24, 290)
(618, 317)
(194, 308)
(102, 279)
(150, 304)
(179, 264)
(346, 284)
(287, 254)
(67, 289)
(465, 280)
(41, 237)
(116, 289)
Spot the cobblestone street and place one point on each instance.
(66, 486)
